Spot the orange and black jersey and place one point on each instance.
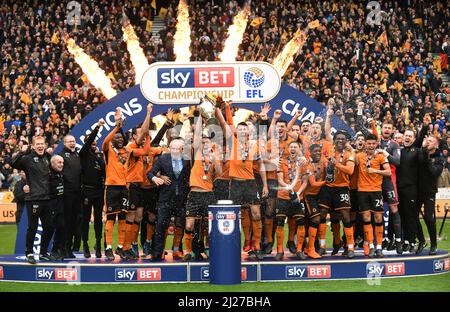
(326, 146)
(115, 159)
(345, 164)
(316, 176)
(289, 169)
(276, 150)
(354, 176)
(370, 182)
(148, 161)
(225, 171)
(242, 159)
(135, 163)
(203, 171)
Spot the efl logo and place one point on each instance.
(196, 77)
(59, 274)
(1, 272)
(241, 82)
(204, 274)
(147, 274)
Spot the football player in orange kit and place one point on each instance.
(243, 189)
(135, 178)
(206, 166)
(334, 195)
(292, 181)
(116, 194)
(370, 199)
(316, 179)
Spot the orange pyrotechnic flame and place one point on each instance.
(137, 55)
(284, 59)
(94, 73)
(182, 36)
(235, 35)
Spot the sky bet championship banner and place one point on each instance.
(176, 85)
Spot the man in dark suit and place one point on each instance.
(170, 173)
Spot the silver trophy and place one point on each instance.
(207, 108)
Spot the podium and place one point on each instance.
(224, 243)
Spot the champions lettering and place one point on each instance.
(128, 109)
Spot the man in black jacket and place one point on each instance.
(35, 163)
(93, 177)
(72, 193)
(407, 182)
(431, 164)
(56, 211)
(174, 187)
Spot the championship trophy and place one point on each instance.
(207, 108)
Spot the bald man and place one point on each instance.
(72, 194)
(170, 173)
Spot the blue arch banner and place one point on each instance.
(133, 105)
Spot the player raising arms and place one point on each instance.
(277, 150)
(370, 199)
(334, 195)
(243, 189)
(116, 191)
(292, 181)
(206, 166)
(316, 179)
(137, 150)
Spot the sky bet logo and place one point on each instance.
(310, 271)
(380, 269)
(441, 265)
(196, 77)
(204, 274)
(147, 274)
(60, 274)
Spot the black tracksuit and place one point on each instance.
(37, 200)
(407, 182)
(57, 212)
(430, 168)
(72, 195)
(92, 190)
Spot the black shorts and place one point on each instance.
(135, 197)
(221, 189)
(244, 193)
(370, 201)
(389, 192)
(312, 205)
(334, 198)
(142, 198)
(354, 200)
(289, 208)
(198, 202)
(116, 199)
(273, 188)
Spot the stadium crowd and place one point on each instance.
(393, 69)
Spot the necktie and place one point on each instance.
(176, 169)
